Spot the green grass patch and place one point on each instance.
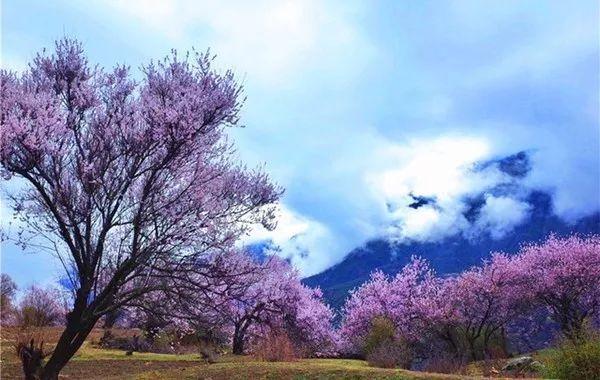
(326, 369)
(91, 353)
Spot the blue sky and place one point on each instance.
(353, 106)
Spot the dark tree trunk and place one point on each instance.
(64, 351)
(504, 342)
(238, 343)
(31, 359)
(472, 350)
(238, 337)
(72, 338)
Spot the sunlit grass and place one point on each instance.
(92, 362)
(232, 368)
(88, 352)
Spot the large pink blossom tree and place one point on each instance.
(480, 304)
(126, 179)
(399, 299)
(563, 275)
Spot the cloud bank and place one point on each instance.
(409, 121)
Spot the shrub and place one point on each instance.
(165, 342)
(275, 347)
(30, 351)
(382, 348)
(208, 352)
(382, 330)
(127, 343)
(575, 361)
(390, 354)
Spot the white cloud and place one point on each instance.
(431, 167)
(440, 169)
(500, 214)
(268, 40)
(307, 242)
(373, 194)
(334, 124)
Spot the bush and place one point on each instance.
(570, 361)
(166, 342)
(390, 354)
(275, 347)
(382, 348)
(208, 352)
(382, 330)
(32, 356)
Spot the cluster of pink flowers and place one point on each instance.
(465, 313)
(397, 299)
(245, 300)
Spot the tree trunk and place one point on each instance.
(31, 359)
(238, 344)
(504, 342)
(472, 350)
(111, 318)
(238, 339)
(70, 341)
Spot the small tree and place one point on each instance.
(126, 180)
(271, 292)
(41, 307)
(309, 324)
(8, 289)
(250, 300)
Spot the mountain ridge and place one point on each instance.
(448, 256)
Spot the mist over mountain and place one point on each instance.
(448, 256)
(503, 213)
(454, 253)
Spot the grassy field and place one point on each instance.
(95, 363)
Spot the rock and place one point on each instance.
(522, 364)
(536, 366)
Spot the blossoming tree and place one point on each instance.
(399, 299)
(127, 180)
(563, 275)
(246, 299)
(483, 301)
(466, 314)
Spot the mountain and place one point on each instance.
(451, 255)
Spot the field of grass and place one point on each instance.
(95, 363)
